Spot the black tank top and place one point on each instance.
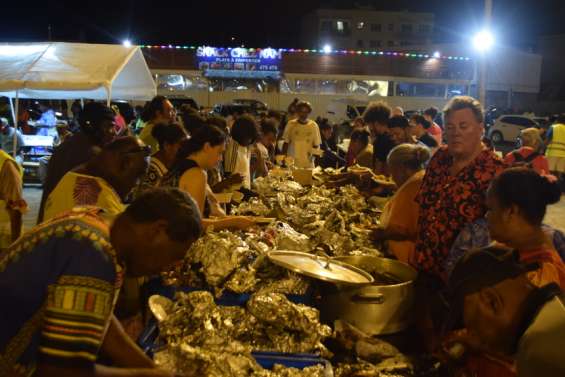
(172, 178)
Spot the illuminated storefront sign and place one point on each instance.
(239, 62)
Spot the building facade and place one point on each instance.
(365, 29)
(334, 83)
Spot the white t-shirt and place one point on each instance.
(237, 159)
(301, 139)
(263, 150)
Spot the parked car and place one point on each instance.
(508, 127)
(344, 109)
(248, 107)
(256, 105)
(178, 101)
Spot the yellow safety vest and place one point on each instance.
(5, 221)
(556, 147)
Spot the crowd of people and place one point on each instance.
(117, 208)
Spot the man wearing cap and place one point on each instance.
(7, 139)
(96, 129)
(507, 313)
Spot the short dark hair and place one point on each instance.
(325, 125)
(121, 144)
(419, 119)
(464, 102)
(376, 112)
(192, 121)
(268, 127)
(526, 189)
(174, 206)
(244, 128)
(170, 133)
(398, 121)
(361, 136)
(92, 115)
(431, 112)
(152, 107)
(306, 104)
(218, 121)
(292, 106)
(274, 114)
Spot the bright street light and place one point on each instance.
(126, 43)
(437, 55)
(327, 48)
(483, 41)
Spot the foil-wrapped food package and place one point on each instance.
(219, 254)
(287, 238)
(291, 327)
(186, 360)
(276, 310)
(253, 207)
(270, 322)
(270, 185)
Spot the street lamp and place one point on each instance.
(126, 43)
(327, 49)
(483, 41)
(436, 55)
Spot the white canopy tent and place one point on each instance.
(73, 71)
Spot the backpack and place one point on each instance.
(520, 161)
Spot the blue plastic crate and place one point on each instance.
(291, 360)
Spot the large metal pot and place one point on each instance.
(378, 308)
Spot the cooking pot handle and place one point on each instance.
(320, 254)
(368, 298)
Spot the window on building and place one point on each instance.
(305, 86)
(390, 27)
(390, 43)
(405, 89)
(456, 90)
(406, 28)
(326, 25)
(375, 43)
(424, 28)
(359, 43)
(360, 25)
(327, 86)
(341, 28)
(376, 28)
(367, 87)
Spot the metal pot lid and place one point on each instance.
(321, 267)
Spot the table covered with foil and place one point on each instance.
(336, 221)
(205, 339)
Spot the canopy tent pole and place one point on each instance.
(109, 91)
(14, 116)
(15, 140)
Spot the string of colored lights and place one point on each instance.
(325, 52)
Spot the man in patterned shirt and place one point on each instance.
(454, 188)
(59, 284)
(105, 181)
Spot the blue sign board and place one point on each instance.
(239, 62)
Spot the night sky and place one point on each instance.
(253, 23)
